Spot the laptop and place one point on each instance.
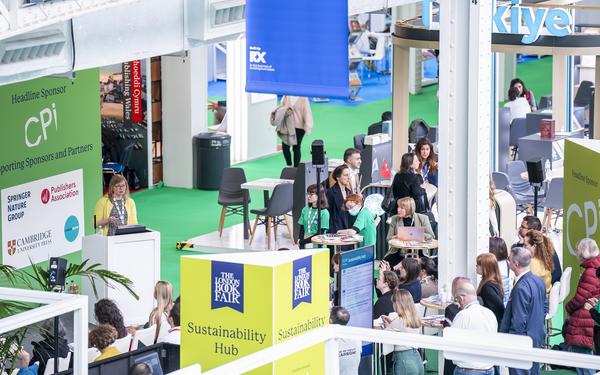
(416, 234)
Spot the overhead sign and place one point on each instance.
(42, 219)
(555, 21)
(297, 48)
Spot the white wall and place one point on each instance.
(184, 98)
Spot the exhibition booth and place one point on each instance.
(250, 291)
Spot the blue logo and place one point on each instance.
(227, 285)
(302, 281)
(71, 228)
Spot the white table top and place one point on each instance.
(265, 184)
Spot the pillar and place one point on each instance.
(184, 105)
(400, 120)
(560, 96)
(596, 129)
(464, 132)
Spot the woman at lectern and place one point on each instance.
(116, 207)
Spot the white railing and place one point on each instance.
(487, 348)
(54, 304)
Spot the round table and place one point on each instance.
(412, 246)
(436, 305)
(335, 242)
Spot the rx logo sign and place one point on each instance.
(258, 57)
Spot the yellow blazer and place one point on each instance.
(104, 206)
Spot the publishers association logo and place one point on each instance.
(227, 285)
(12, 247)
(45, 196)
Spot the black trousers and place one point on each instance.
(297, 149)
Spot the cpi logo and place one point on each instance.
(258, 57)
(35, 127)
(589, 214)
(12, 247)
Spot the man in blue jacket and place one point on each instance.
(525, 312)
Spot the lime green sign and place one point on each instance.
(581, 200)
(51, 140)
(238, 304)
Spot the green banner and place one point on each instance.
(581, 200)
(50, 166)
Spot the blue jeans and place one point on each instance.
(466, 371)
(408, 362)
(580, 350)
(535, 370)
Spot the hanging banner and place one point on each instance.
(297, 48)
(132, 91)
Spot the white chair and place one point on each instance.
(145, 336)
(553, 301)
(93, 353)
(565, 284)
(124, 344)
(63, 364)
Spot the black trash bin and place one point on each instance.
(211, 157)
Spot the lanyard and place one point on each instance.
(311, 218)
(120, 210)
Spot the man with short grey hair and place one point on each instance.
(349, 350)
(525, 312)
(474, 317)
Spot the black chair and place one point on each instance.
(288, 173)
(518, 129)
(280, 203)
(417, 129)
(359, 142)
(545, 102)
(231, 195)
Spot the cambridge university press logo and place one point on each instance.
(227, 285)
(12, 247)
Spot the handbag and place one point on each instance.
(389, 204)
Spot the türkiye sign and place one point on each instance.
(556, 21)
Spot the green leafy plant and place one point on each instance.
(37, 278)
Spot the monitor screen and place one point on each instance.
(152, 360)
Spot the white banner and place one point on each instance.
(42, 219)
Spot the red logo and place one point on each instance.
(45, 196)
(12, 247)
(385, 170)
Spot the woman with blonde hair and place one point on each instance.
(116, 207)
(490, 290)
(542, 251)
(407, 360)
(163, 294)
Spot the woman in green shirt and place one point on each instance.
(308, 218)
(364, 224)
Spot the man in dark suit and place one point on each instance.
(525, 312)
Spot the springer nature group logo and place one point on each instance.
(227, 285)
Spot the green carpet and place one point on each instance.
(180, 214)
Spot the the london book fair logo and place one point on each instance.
(227, 285)
(301, 281)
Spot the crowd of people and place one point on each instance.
(164, 320)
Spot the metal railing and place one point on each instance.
(487, 348)
(54, 304)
